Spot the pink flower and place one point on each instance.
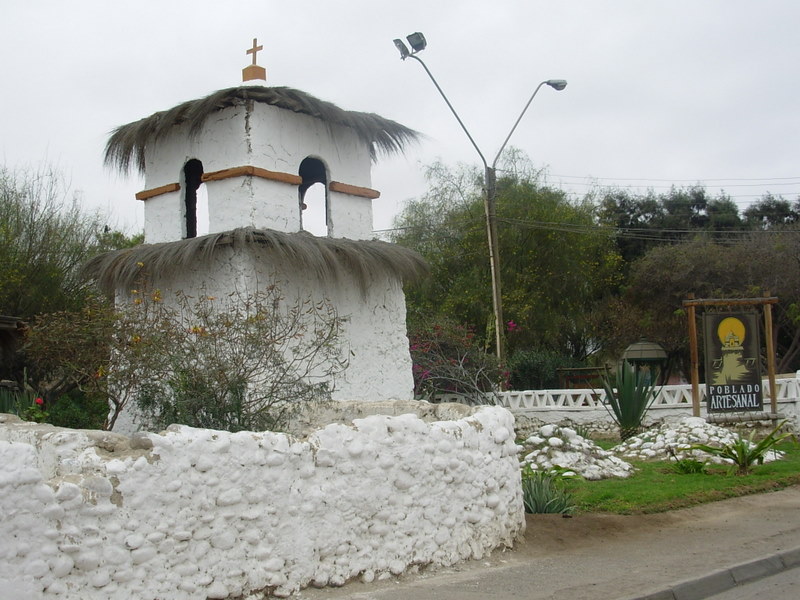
(511, 326)
(39, 401)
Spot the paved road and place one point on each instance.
(783, 586)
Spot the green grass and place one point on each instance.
(656, 487)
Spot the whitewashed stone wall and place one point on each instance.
(196, 514)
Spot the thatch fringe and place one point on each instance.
(127, 143)
(326, 259)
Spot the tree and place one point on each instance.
(771, 211)
(757, 263)
(44, 240)
(645, 221)
(555, 262)
(245, 363)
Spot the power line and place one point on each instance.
(700, 180)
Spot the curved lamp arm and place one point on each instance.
(556, 84)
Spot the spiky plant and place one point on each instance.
(628, 398)
(543, 492)
(744, 452)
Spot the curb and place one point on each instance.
(725, 579)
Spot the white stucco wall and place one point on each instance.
(164, 218)
(373, 333)
(196, 514)
(269, 138)
(350, 216)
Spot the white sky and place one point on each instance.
(661, 91)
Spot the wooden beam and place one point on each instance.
(773, 387)
(153, 192)
(249, 170)
(253, 171)
(695, 366)
(353, 190)
(730, 301)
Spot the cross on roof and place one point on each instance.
(255, 49)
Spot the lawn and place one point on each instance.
(656, 487)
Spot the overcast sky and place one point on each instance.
(660, 91)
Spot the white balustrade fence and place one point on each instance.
(587, 406)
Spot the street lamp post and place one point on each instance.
(417, 42)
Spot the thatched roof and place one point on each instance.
(327, 259)
(127, 143)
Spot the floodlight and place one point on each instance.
(557, 84)
(417, 42)
(404, 53)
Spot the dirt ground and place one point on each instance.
(605, 556)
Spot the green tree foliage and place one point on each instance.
(758, 262)
(45, 237)
(555, 263)
(537, 369)
(646, 221)
(772, 211)
(44, 240)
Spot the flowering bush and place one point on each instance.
(448, 361)
(35, 412)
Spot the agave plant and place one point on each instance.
(744, 452)
(628, 399)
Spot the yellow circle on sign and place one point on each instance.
(731, 332)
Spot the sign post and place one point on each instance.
(735, 365)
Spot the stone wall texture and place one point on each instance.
(195, 514)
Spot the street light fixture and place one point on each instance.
(418, 43)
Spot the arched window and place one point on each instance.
(313, 198)
(195, 199)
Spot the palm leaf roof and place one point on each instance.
(327, 259)
(127, 144)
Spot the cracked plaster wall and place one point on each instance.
(270, 138)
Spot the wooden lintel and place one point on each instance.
(253, 171)
(731, 301)
(164, 189)
(353, 190)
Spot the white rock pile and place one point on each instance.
(553, 446)
(675, 440)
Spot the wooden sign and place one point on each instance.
(733, 364)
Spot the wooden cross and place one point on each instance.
(254, 50)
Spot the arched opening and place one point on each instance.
(313, 196)
(195, 199)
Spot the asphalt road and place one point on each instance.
(782, 586)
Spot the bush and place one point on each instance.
(245, 363)
(543, 492)
(537, 369)
(79, 410)
(689, 466)
(447, 360)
